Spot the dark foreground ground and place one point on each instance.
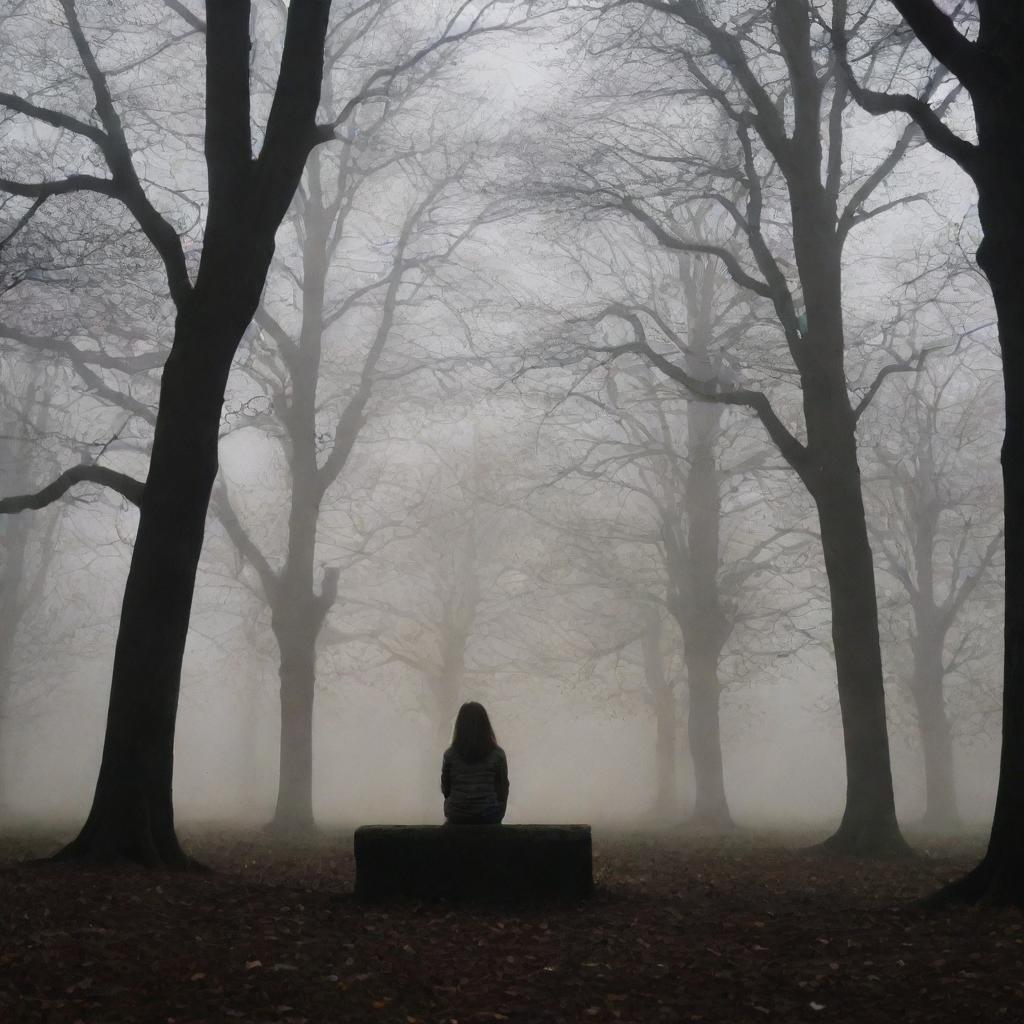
(681, 929)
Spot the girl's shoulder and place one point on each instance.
(498, 753)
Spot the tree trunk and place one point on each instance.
(999, 878)
(297, 612)
(705, 625)
(869, 825)
(666, 795)
(711, 808)
(15, 543)
(928, 642)
(6, 765)
(446, 699)
(293, 813)
(663, 701)
(934, 729)
(132, 817)
(441, 711)
(831, 474)
(446, 684)
(937, 747)
(252, 750)
(6, 685)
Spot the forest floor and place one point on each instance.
(681, 928)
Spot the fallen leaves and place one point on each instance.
(679, 931)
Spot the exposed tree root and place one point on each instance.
(991, 884)
(882, 841)
(109, 840)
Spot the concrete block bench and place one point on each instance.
(491, 862)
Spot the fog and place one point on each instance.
(453, 464)
(780, 775)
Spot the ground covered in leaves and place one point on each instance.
(682, 928)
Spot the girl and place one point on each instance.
(474, 772)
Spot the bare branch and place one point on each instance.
(243, 543)
(127, 486)
(351, 420)
(854, 213)
(22, 221)
(55, 118)
(710, 391)
(958, 595)
(912, 364)
(267, 322)
(846, 225)
(60, 186)
(328, 591)
(82, 362)
(671, 241)
(61, 346)
(935, 130)
(183, 12)
(125, 184)
(939, 35)
(290, 132)
(727, 47)
(378, 84)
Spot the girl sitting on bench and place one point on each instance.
(474, 772)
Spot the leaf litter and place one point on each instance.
(681, 928)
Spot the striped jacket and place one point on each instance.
(474, 790)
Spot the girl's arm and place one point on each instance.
(501, 783)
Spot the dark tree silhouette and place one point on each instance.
(990, 70)
(132, 814)
(668, 452)
(299, 608)
(927, 534)
(248, 196)
(787, 123)
(689, 506)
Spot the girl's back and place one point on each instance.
(474, 790)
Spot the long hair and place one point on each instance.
(473, 738)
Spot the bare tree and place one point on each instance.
(248, 195)
(788, 204)
(935, 531)
(27, 549)
(316, 449)
(679, 469)
(982, 52)
(663, 688)
(448, 624)
(132, 815)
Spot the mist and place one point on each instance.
(511, 510)
(444, 476)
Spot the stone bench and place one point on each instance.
(491, 862)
